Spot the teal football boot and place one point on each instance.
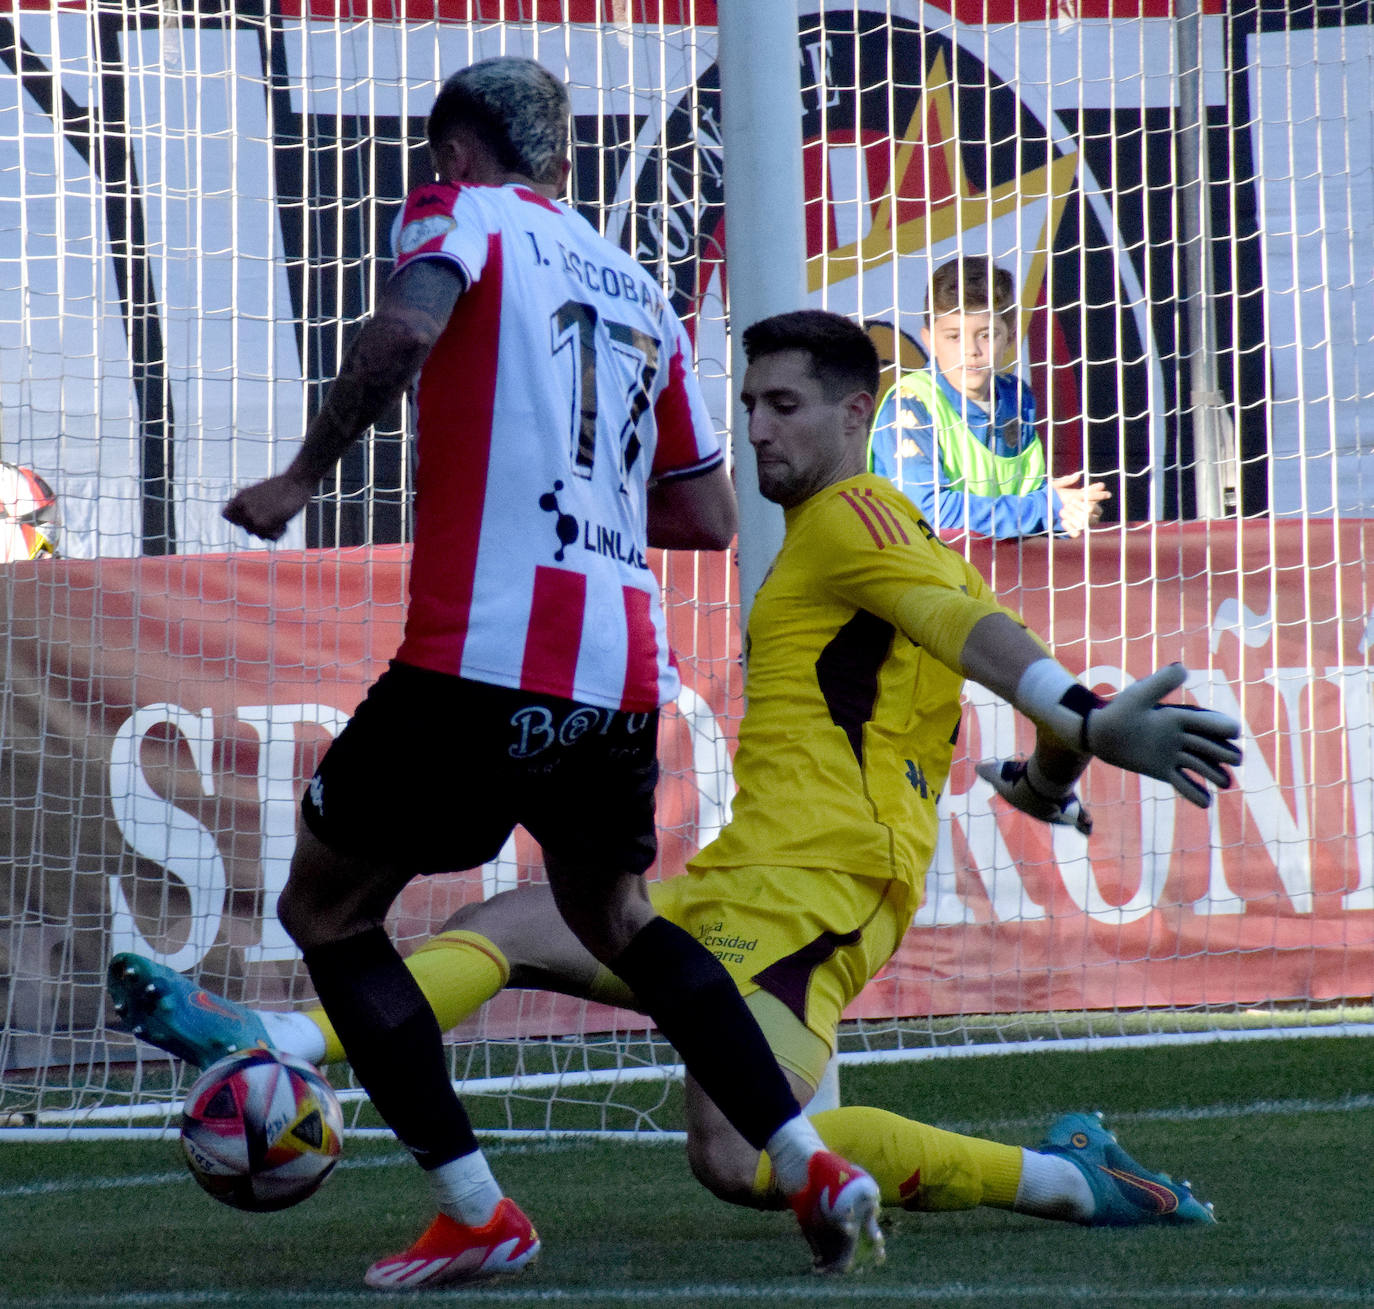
(1125, 1194)
(172, 1012)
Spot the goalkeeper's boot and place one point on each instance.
(448, 1252)
(161, 1006)
(838, 1213)
(1125, 1194)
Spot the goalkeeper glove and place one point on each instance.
(1011, 779)
(1133, 730)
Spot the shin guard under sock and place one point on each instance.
(393, 1043)
(458, 972)
(699, 1010)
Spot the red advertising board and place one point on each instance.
(163, 714)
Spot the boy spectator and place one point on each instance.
(958, 438)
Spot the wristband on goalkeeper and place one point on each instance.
(1050, 696)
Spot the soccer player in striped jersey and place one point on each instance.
(859, 641)
(560, 435)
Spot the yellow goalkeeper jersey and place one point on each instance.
(850, 724)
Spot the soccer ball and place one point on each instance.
(261, 1130)
(28, 515)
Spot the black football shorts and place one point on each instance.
(433, 772)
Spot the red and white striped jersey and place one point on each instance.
(560, 386)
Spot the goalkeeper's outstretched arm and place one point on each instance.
(1179, 744)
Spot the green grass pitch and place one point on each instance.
(1278, 1134)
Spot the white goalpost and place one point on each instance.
(195, 203)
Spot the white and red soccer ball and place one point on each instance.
(28, 515)
(261, 1130)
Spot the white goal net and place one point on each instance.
(195, 202)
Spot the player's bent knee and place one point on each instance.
(295, 919)
(299, 913)
(330, 896)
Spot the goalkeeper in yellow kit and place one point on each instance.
(859, 642)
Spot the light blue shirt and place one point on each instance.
(905, 449)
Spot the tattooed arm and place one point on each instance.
(387, 352)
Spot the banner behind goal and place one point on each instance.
(195, 206)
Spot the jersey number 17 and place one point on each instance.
(574, 329)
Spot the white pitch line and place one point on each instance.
(845, 1291)
(1256, 1108)
(69, 1185)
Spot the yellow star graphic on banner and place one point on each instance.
(929, 182)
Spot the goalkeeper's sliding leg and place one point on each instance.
(798, 975)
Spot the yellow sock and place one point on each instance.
(917, 1166)
(458, 972)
